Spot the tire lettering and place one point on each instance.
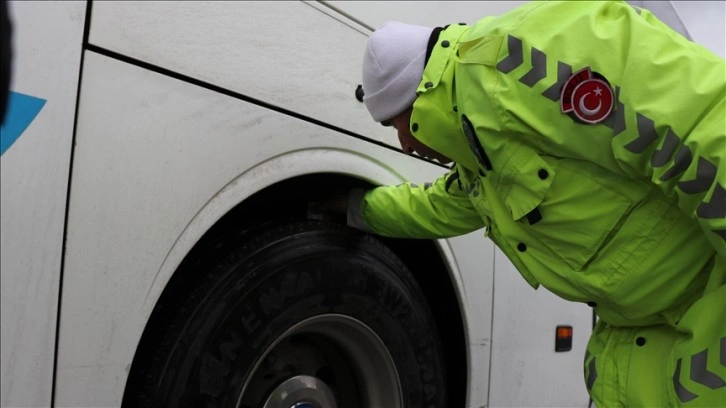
(358, 281)
(228, 348)
(293, 285)
(250, 322)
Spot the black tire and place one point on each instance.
(300, 303)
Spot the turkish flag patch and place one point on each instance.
(587, 96)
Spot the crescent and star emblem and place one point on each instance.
(587, 97)
(591, 112)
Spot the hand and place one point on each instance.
(330, 207)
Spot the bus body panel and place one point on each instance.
(526, 370)
(287, 53)
(33, 187)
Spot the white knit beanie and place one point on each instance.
(392, 68)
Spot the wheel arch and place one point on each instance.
(287, 199)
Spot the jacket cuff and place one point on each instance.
(355, 211)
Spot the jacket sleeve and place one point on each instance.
(680, 138)
(440, 209)
(668, 121)
(680, 143)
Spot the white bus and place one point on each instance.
(158, 161)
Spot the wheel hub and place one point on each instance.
(302, 391)
(325, 361)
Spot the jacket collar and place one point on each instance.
(433, 39)
(435, 120)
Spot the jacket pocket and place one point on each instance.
(562, 204)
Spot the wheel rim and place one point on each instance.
(326, 361)
(302, 391)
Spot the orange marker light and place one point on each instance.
(564, 332)
(563, 338)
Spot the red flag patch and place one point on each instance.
(587, 96)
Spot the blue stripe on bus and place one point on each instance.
(21, 110)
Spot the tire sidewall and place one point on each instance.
(266, 287)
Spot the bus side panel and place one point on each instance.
(526, 370)
(36, 150)
(287, 53)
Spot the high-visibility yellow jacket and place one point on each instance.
(628, 212)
